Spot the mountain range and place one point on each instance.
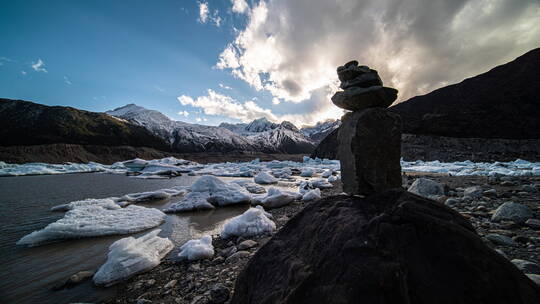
(259, 135)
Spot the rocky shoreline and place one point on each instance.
(62, 153)
(212, 281)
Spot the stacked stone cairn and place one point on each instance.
(370, 136)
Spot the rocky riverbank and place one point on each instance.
(212, 281)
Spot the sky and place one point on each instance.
(234, 61)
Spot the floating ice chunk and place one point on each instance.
(209, 190)
(136, 164)
(160, 194)
(282, 173)
(307, 172)
(251, 223)
(192, 201)
(321, 183)
(130, 256)
(275, 198)
(312, 195)
(106, 203)
(197, 249)
(264, 178)
(162, 169)
(327, 173)
(333, 178)
(250, 187)
(44, 169)
(173, 161)
(87, 220)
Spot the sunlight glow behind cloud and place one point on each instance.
(292, 48)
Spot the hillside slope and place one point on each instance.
(25, 123)
(501, 103)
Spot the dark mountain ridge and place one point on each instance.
(501, 103)
(27, 123)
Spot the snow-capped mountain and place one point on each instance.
(260, 135)
(267, 135)
(319, 131)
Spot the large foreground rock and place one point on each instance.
(370, 147)
(390, 248)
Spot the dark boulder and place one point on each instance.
(390, 248)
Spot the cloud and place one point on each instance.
(206, 16)
(291, 48)
(67, 81)
(23, 72)
(3, 60)
(217, 104)
(239, 6)
(221, 85)
(183, 113)
(275, 101)
(39, 66)
(159, 89)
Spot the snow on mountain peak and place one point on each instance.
(258, 135)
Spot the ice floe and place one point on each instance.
(253, 222)
(197, 249)
(125, 200)
(208, 191)
(130, 256)
(264, 178)
(312, 195)
(170, 167)
(90, 218)
(45, 169)
(250, 187)
(275, 198)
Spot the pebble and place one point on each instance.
(527, 266)
(490, 193)
(452, 202)
(512, 211)
(535, 278)
(171, 284)
(247, 244)
(500, 240)
(219, 294)
(473, 192)
(228, 251)
(533, 223)
(237, 255)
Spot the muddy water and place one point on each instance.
(28, 274)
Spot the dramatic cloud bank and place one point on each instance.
(291, 48)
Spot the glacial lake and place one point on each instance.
(28, 274)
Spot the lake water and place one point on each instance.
(27, 274)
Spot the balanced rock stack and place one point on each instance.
(370, 136)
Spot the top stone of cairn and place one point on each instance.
(363, 88)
